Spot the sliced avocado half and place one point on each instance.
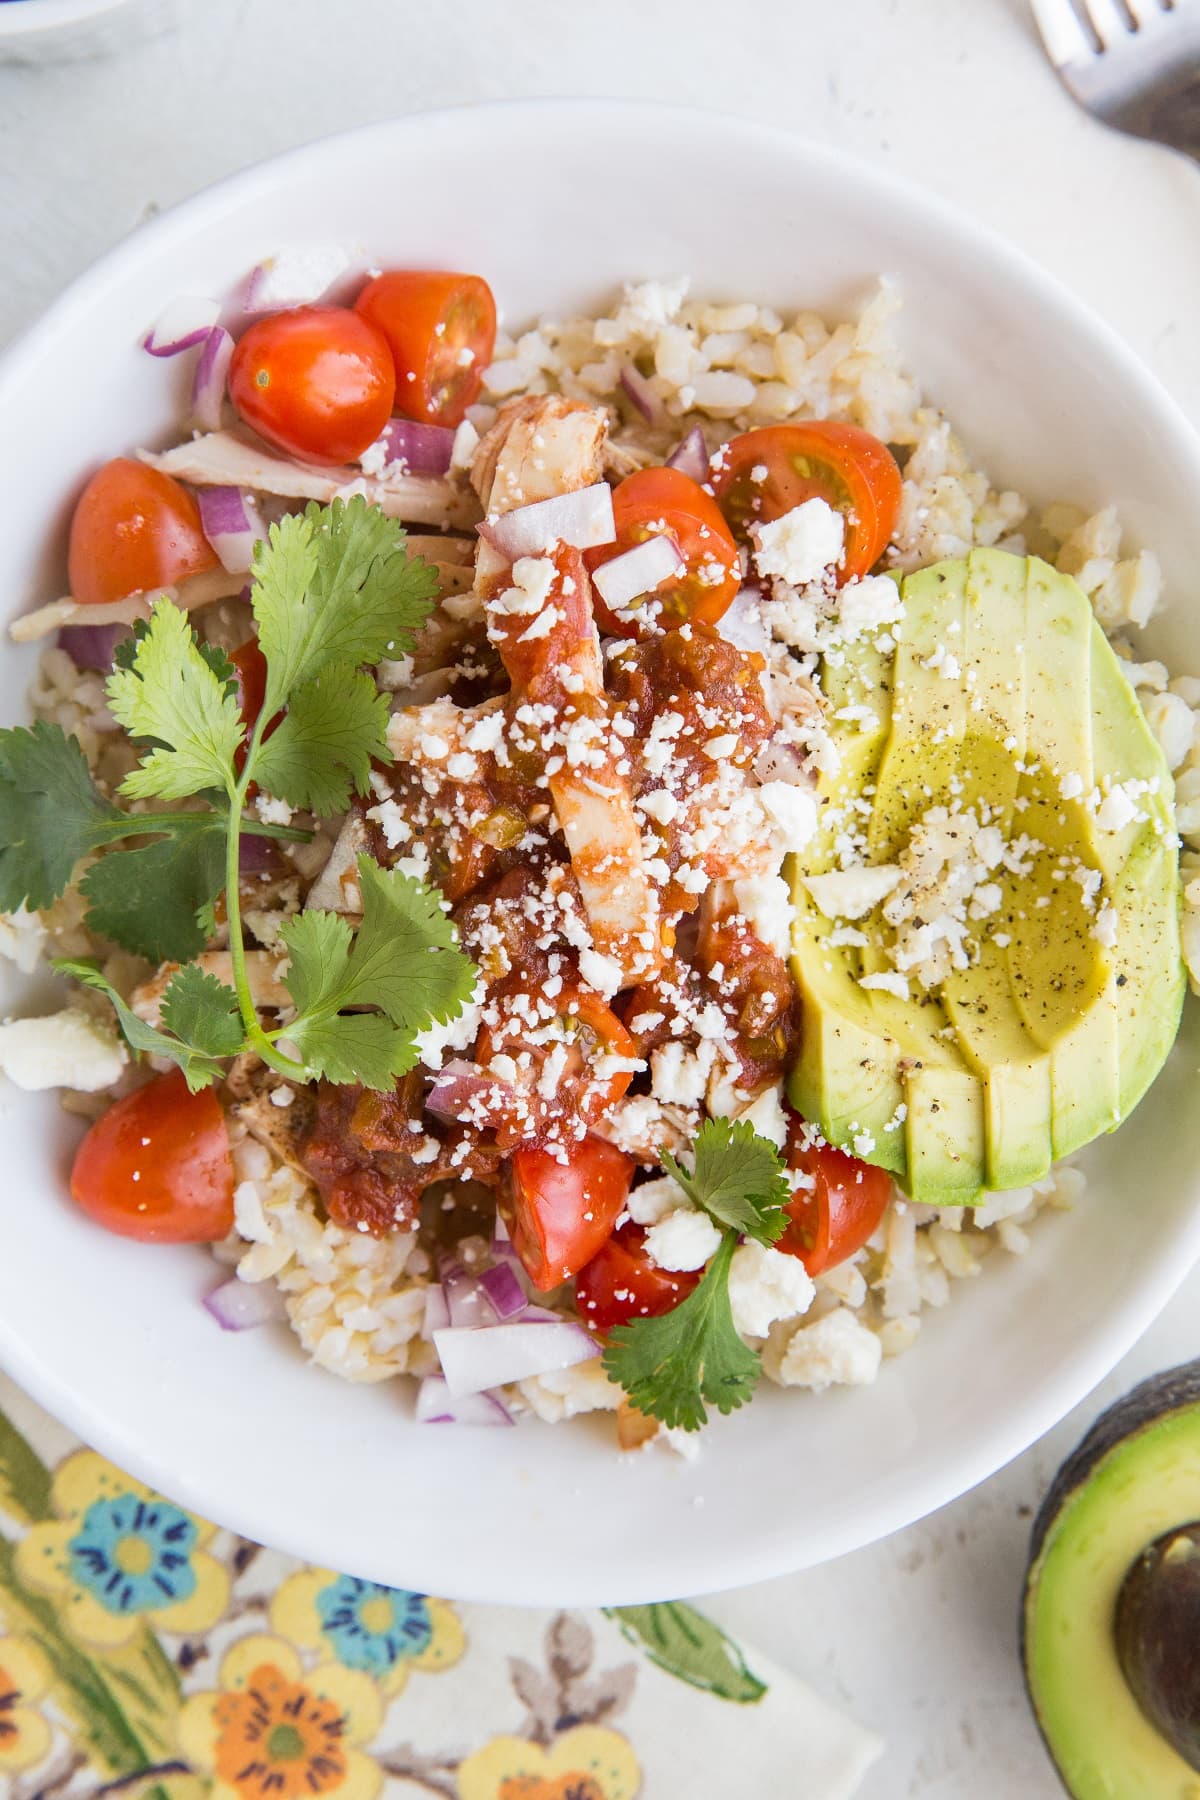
(1110, 1638)
(1000, 689)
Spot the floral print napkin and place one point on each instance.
(144, 1653)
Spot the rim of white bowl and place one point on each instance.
(915, 1494)
(29, 18)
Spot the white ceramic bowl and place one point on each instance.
(556, 203)
(59, 30)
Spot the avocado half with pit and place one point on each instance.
(996, 692)
(1111, 1625)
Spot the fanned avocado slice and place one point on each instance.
(1001, 690)
(979, 1001)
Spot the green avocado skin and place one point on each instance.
(1134, 1477)
(1051, 1037)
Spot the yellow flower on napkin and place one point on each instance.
(587, 1763)
(271, 1732)
(25, 1735)
(117, 1557)
(384, 1632)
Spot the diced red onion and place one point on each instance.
(504, 1250)
(436, 1405)
(419, 449)
(584, 519)
(437, 1312)
(542, 1315)
(92, 646)
(639, 390)
(780, 762)
(258, 855)
(690, 456)
(295, 277)
(210, 379)
(503, 1291)
(243, 1305)
(742, 625)
(473, 1361)
(638, 571)
(232, 524)
(456, 1085)
(182, 325)
(465, 1301)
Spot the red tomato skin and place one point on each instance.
(826, 458)
(177, 1146)
(317, 382)
(833, 1220)
(564, 1212)
(133, 529)
(670, 501)
(431, 318)
(620, 1283)
(251, 666)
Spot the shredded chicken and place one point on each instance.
(192, 593)
(224, 457)
(336, 888)
(539, 446)
(262, 973)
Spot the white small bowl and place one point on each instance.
(556, 203)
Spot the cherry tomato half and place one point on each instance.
(442, 330)
(564, 1212)
(657, 502)
(134, 529)
(764, 474)
(316, 381)
(590, 1030)
(836, 1216)
(621, 1283)
(157, 1166)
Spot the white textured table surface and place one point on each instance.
(918, 1635)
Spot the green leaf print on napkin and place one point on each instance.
(686, 1644)
(24, 1477)
(124, 1703)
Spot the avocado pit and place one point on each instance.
(1157, 1628)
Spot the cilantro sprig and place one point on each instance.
(333, 591)
(672, 1366)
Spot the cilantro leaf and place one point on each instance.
(739, 1180)
(404, 960)
(333, 586)
(203, 1012)
(173, 695)
(51, 814)
(358, 1046)
(157, 900)
(199, 1068)
(324, 744)
(672, 1365)
(126, 648)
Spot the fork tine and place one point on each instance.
(1110, 21)
(1067, 43)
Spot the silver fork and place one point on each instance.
(1134, 63)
